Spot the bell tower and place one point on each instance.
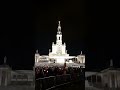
(59, 35)
(58, 48)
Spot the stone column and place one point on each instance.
(110, 80)
(101, 75)
(96, 78)
(91, 79)
(6, 79)
(116, 79)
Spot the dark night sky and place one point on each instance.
(90, 26)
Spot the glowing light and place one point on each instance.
(60, 60)
(58, 55)
(70, 61)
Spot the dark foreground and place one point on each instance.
(72, 86)
(17, 88)
(71, 81)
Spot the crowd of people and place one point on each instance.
(41, 72)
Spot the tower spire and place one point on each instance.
(59, 28)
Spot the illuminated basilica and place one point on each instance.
(58, 55)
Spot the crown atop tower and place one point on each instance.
(59, 28)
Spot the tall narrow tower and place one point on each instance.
(58, 49)
(59, 35)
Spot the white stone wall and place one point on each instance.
(63, 49)
(54, 49)
(37, 57)
(81, 58)
(118, 79)
(5, 76)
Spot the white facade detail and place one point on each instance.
(81, 58)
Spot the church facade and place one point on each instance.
(59, 54)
